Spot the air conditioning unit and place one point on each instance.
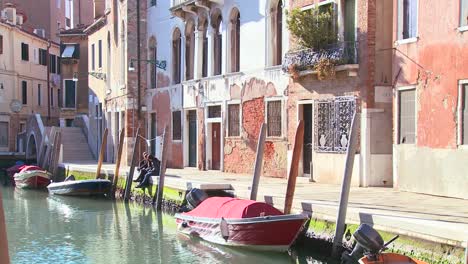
(40, 32)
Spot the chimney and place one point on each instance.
(99, 8)
(9, 13)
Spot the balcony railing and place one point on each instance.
(341, 53)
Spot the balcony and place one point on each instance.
(181, 7)
(304, 61)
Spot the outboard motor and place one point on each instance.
(368, 242)
(195, 197)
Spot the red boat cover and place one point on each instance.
(232, 208)
(30, 168)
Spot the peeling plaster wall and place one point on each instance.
(433, 64)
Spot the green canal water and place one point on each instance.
(43, 228)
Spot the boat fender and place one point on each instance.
(184, 225)
(224, 229)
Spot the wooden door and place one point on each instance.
(307, 150)
(192, 119)
(215, 146)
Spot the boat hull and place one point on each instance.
(32, 179)
(391, 258)
(269, 233)
(80, 187)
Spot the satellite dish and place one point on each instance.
(16, 106)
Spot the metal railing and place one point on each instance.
(305, 59)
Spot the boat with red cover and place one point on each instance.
(242, 223)
(32, 177)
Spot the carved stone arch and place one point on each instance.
(31, 147)
(189, 49)
(216, 19)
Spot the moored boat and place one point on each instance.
(73, 187)
(242, 223)
(32, 179)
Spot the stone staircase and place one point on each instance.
(75, 146)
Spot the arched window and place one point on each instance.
(218, 42)
(234, 28)
(176, 53)
(203, 29)
(109, 61)
(123, 67)
(189, 49)
(276, 30)
(152, 56)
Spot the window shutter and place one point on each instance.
(465, 115)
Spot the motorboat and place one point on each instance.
(241, 223)
(74, 187)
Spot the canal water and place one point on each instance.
(43, 228)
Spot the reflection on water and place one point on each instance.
(44, 228)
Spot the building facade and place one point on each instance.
(222, 81)
(30, 80)
(48, 17)
(115, 96)
(430, 66)
(362, 84)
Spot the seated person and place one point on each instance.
(154, 171)
(143, 167)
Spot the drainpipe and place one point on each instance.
(138, 60)
(48, 82)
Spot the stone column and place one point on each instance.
(198, 56)
(210, 36)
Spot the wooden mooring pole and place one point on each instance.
(345, 188)
(162, 172)
(128, 186)
(4, 257)
(115, 180)
(294, 168)
(258, 162)
(102, 151)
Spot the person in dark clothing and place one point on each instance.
(154, 171)
(143, 167)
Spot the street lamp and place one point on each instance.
(75, 77)
(131, 67)
(160, 64)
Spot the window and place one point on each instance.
(235, 41)
(70, 94)
(24, 51)
(43, 57)
(332, 123)
(93, 63)
(59, 66)
(189, 50)
(24, 92)
(218, 44)
(274, 118)
(214, 111)
(100, 53)
(4, 134)
(59, 98)
(276, 17)
(407, 117)
(153, 3)
(152, 56)
(39, 96)
(59, 4)
(205, 51)
(53, 63)
(176, 126)
(407, 19)
(464, 114)
(234, 122)
(70, 51)
(463, 13)
(1, 44)
(51, 97)
(176, 61)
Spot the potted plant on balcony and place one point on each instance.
(314, 30)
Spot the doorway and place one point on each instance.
(215, 146)
(192, 130)
(307, 148)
